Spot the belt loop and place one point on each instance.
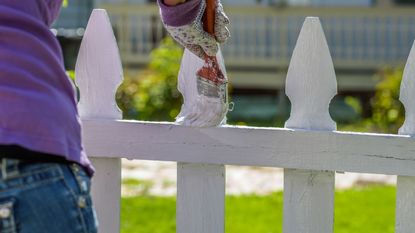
(9, 168)
(3, 168)
(77, 172)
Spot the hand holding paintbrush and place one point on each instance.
(202, 82)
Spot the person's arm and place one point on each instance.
(183, 20)
(173, 2)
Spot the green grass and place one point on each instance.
(365, 210)
(358, 210)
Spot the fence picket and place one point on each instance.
(98, 74)
(308, 201)
(407, 95)
(405, 204)
(200, 198)
(310, 86)
(405, 195)
(200, 187)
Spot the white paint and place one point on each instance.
(200, 187)
(98, 74)
(106, 193)
(310, 86)
(405, 195)
(308, 201)
(407, 96)
(311, 80)
(264, 147)
(199, 110)
(405, 204)
(98, 69)
(200, 198)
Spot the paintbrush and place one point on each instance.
(205, 104)
(211, 78)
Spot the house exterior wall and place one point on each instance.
(300, 2)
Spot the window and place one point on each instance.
(405, 2)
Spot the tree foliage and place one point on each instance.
(153, 95)
(388, 111)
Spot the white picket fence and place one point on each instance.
(309, 148)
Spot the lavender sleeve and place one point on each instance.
(37, 101)
(181, 14)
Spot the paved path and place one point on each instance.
(159, 178)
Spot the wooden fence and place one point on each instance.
(309, 147)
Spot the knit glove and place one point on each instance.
(194, 38)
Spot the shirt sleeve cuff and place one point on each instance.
(181, 14)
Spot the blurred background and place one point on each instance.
(369, 40)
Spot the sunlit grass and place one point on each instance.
(359, 210)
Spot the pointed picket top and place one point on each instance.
(407, 96)
(311, 80)
(98, 69)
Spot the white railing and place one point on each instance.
(308, 148)
(359, 37)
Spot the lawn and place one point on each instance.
(359, 210)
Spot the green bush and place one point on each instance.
(153, 95)
(388, 112)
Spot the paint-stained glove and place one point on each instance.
(184, 23)
(205, 102)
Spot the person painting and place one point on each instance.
(45, 175)
(44, 171)
(204, 90)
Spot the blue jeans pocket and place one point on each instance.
(46, 198)
(7, 222)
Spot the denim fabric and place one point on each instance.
(45, 198)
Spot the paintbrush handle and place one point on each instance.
(209, 17)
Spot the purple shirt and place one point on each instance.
(181, 14)
(37, 100)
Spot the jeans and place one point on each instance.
(45, 198)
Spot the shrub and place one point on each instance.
(388, 112)
(153, 95)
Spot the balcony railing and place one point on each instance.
(309, 148)
(266, 36)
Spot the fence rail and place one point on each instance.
(308, 148)
(265, 36)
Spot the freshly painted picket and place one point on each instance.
(405, 195)
(311, 84)
(309, 148)
(200, 198)
(98, 73)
